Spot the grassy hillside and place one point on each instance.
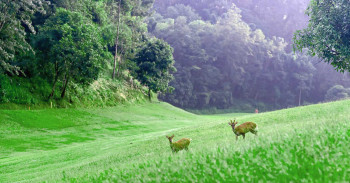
(127, 143)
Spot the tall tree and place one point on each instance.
(155, 66)
(327, 34)
(74, 46)
(15, 19)
(126, 16)
(116, 41)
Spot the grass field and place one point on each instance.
(128, 144)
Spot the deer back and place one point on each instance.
(181, 144)
(245, 127)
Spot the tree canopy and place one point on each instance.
(155, 66)
(227, 53)
(74, 46)
(15, 24)
(327, 34)
(235, 61)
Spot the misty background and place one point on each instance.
(237, 55)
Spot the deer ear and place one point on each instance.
(172, 136)
(167, 136)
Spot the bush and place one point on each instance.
(22, 90)
(337, 92)
(35, 92)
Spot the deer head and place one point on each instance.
(233, 123)
(170, 138)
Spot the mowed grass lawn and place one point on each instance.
(128, 144)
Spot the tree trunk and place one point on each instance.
(256, 99)
(65, 86)
(53, 87)
(149, 94)
(119, 66)
(54, 83)
(300, 97)
(118, 70)
(116, 42)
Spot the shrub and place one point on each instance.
(337, 92)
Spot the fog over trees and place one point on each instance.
(238, 54)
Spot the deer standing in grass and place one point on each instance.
(243, 128)
(180, 144)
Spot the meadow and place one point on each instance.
(128, 144)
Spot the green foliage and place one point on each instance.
(19, 93)
(15, 18)
(337, 92)
(105, 92)
(71, 51)
(22, 91)
(226, 62)
(327, 34)
(74, 46)
(288, 16)
(155, 66)
(181, 10)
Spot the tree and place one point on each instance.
(337, 92)
(327, 34)
(126, 15)
(14, 20)
(116, 41)
(155, 66)
(73, 45)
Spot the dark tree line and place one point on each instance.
(231, 56)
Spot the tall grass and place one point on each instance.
(16, 92)
(21, 90)
(319, 154)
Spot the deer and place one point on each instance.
(243, 128)
(180, 144)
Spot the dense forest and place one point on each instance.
(221, 54)
(80, 52)
(238, 54)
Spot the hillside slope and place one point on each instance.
(127, 144)
(39, 145)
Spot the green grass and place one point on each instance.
(128, 144)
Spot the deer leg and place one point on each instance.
(236, 137)
(243, 136)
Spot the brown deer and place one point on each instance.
(243, 128)
(180, 144)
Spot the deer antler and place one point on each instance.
(231, 122)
